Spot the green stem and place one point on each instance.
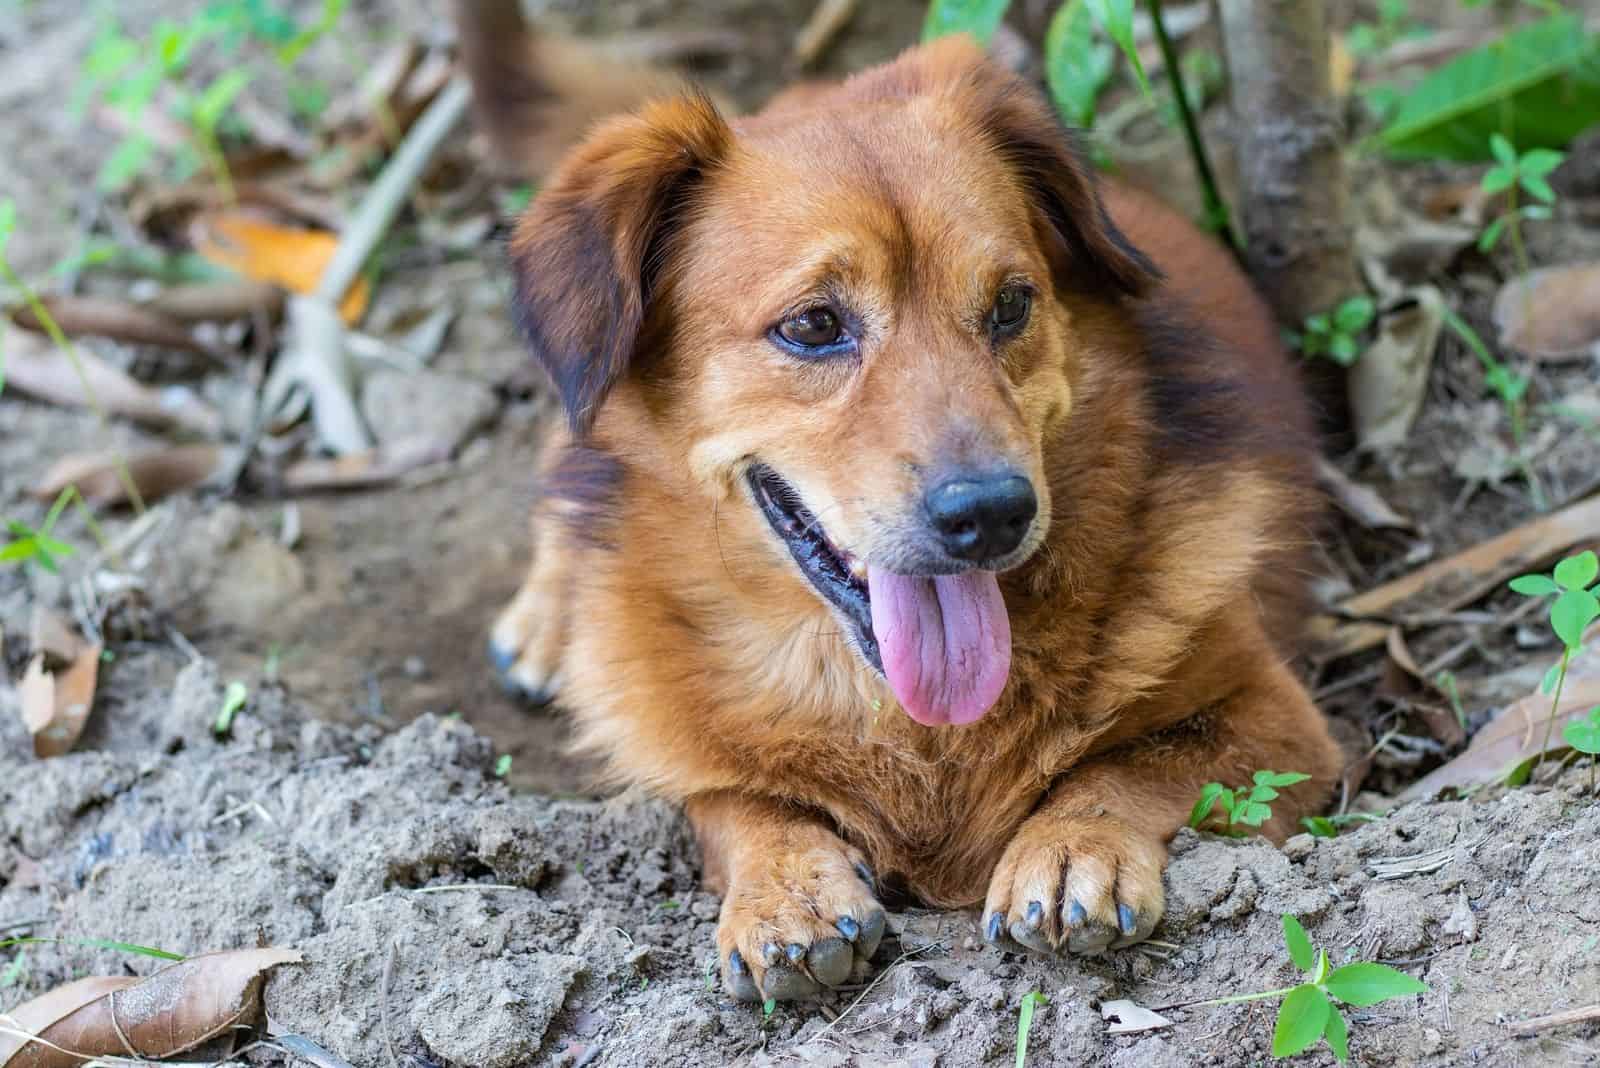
(1236, 998)
(1555, 708)
(64, 343)
(1217, 214)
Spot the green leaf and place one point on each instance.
(1491, 234)
(1255, 814)
(19, 549)
(1355, 314)
(1116, 19)
(290, 52)
(1503, 150)
(1227, 799)
(1535, 585)
(1577, 572)
(1301, 1018)
(1076, 65)
(1540, 162)
(1538, 188)
(1584, 734)
(8, 222)
(1363, 984)
(1280, 778)
(1545, 74)
(1338, 1034)
(1319, 324)
(1547, 685)
(1499, 179)
(1299, 943)
(232, 701)
(218, 97)
(125, 163)
(1573, 611)
(1025, 1023)
(1320, 826)
(1263, 793)
(1208, 799)
(980, 18)
(1344, 350)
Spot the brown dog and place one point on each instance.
(927, 509)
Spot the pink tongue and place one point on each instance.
(945, 642)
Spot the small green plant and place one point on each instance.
(502, 766)
(1446, 682)
(1514, 174)
(1583, 735)
(1030, 1001)
(1574, 608)
(1336, 334)
(1328, 826)
(1393, 25)
(233, 700)
(1242, 806)
(1308, 1012)
(13, 972)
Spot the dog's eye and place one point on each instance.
(813, 329)
(1011, 306)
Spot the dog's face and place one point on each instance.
(861, 320)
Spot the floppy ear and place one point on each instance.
(586, 251)
(1025, 130)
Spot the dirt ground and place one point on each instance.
(453, 915)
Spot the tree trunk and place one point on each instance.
(1294, 204)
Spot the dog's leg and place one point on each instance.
(798, 909)
(1083, 873)
(530, 635)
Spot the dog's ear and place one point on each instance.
(586, 251)
(1025, 130)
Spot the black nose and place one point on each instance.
(981, 519)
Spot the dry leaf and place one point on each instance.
(50, 633)
(1360, 502)
(1552, 313)
(1128, 1018)
(1403, 680)
(173, 1011)
(374, 467)
(156, 473)
(1446, 585)
(1510, 738)
(1389, 382)
(118, 320)
(266, 252)
(33, 366)
(55, 708)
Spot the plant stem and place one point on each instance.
(64, 343)
(1236, 998)
(1555, 708)
(1216, 208)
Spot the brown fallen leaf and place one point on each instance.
(1389, 382)
(55, 707)
(1510, 738)
(50, 633)
(156, 473)
(173, 1011)
(34, 366)
(1552, 313)
(1403, 680)
(373, 467)
(267, 252)
(119, 320)
(1362, 622)
(1360, 502)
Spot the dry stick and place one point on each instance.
(319, 354)
(1526, 1028)
(869, 988)
(829, 17)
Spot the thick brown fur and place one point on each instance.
(1149, 400)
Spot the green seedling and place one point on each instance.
(95, 943)
(1515, 174)
(1030, 1001)
(1308, 1012)
(1574, 608)
(233, 700)
(1328, 826)
(1393, 25)
(1583, 735)
(502, 766)
(1336, 334)
(1446, 682)
(1242, 806)
(13, 972)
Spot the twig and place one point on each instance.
(870, 986)
(1525, 1028)
(829, 17)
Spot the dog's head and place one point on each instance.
(863, 317)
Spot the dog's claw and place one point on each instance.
(867, 876)
(872, 929)
(992, 931)
(1126, 919)
(794, 951)
(502, 659)
(1077, 915)
(739, 982)
(848, 927)
(1035, 915)
(771, 954)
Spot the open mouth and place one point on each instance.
(840, 579)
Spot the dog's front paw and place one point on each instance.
(1079, 883)
(797, 921)
(525, 647)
